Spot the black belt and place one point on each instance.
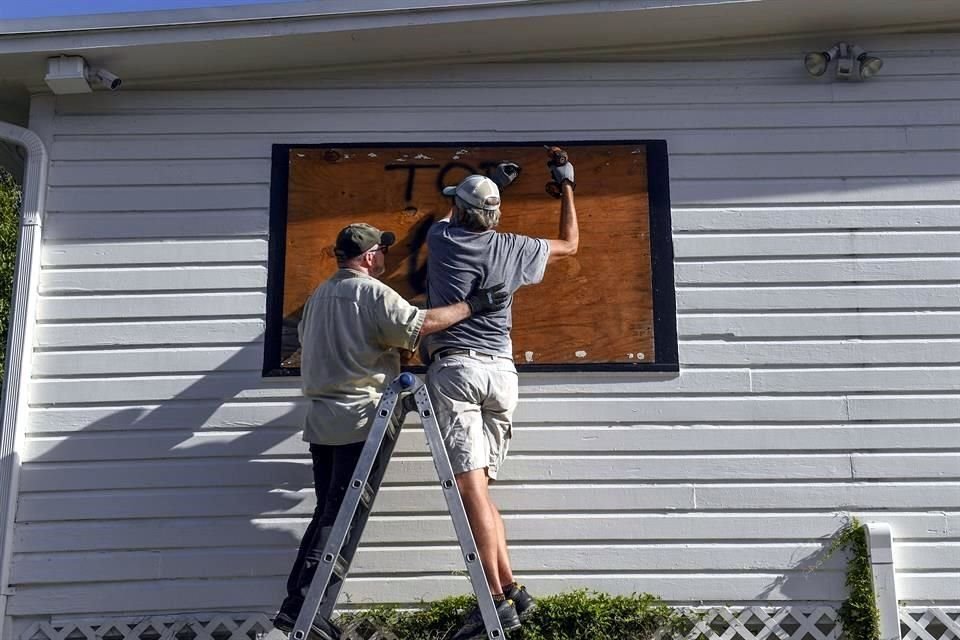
(453, 351)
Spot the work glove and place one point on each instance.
(561, 173)
(505, 173)
(489, 299)
(560, 170)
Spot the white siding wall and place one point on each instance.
(816, 231)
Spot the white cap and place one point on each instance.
(476, 191)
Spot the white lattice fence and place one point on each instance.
(930, 624)
(763, 623)
(719, 623)
(225, 627)
(222, 627)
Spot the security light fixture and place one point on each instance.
(853, 63)
(869, 65)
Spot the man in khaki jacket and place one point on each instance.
(352, 329)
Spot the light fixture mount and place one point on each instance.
(852, 62)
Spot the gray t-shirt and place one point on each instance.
(461, 261)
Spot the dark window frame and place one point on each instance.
(666, 356)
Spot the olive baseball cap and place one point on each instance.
(476, 191)
(355, 239)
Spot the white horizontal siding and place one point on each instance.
(150, 474)
(534, 114)
(72, 150)
(114, 173)
(816, 230)
(840, 220)
(137, 279)
(120, 598)
(603, 557)
(174, 332)
(90, 445)
(860, 297)
(566, 498)
(850, 325)
(237, 385)
(527, 558)
(92, 254)
(639, 528)
(140, 222)
(154, 305)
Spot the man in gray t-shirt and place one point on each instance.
(472, 378)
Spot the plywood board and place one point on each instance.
(595, 307)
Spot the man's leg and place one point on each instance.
(342, 463)
(322, 458)
(497, 411)
(483, 523)
(504, 569)
(498, 408)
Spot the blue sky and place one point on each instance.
(16, 9)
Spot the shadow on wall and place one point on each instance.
(794, 586)
(180, 488)
(196, 503)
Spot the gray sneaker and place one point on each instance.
(473, 628)
(523, 601)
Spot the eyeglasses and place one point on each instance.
(385, 248)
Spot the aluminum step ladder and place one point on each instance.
(406, 393)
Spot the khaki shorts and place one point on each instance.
(474, 397)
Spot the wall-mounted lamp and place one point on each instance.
(853, 63)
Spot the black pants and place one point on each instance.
(333, 467)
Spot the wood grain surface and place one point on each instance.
(595, 307)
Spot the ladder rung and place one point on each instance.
(393, 428)
(340, 565)
(366, 494)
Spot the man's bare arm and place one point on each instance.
(444, 317)
(485, 300)
(569, 240)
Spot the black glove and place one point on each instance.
(486, 300)
(505, 173)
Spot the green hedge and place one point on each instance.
(577, 615)
(9, 224)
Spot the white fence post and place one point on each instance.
(880, 547)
